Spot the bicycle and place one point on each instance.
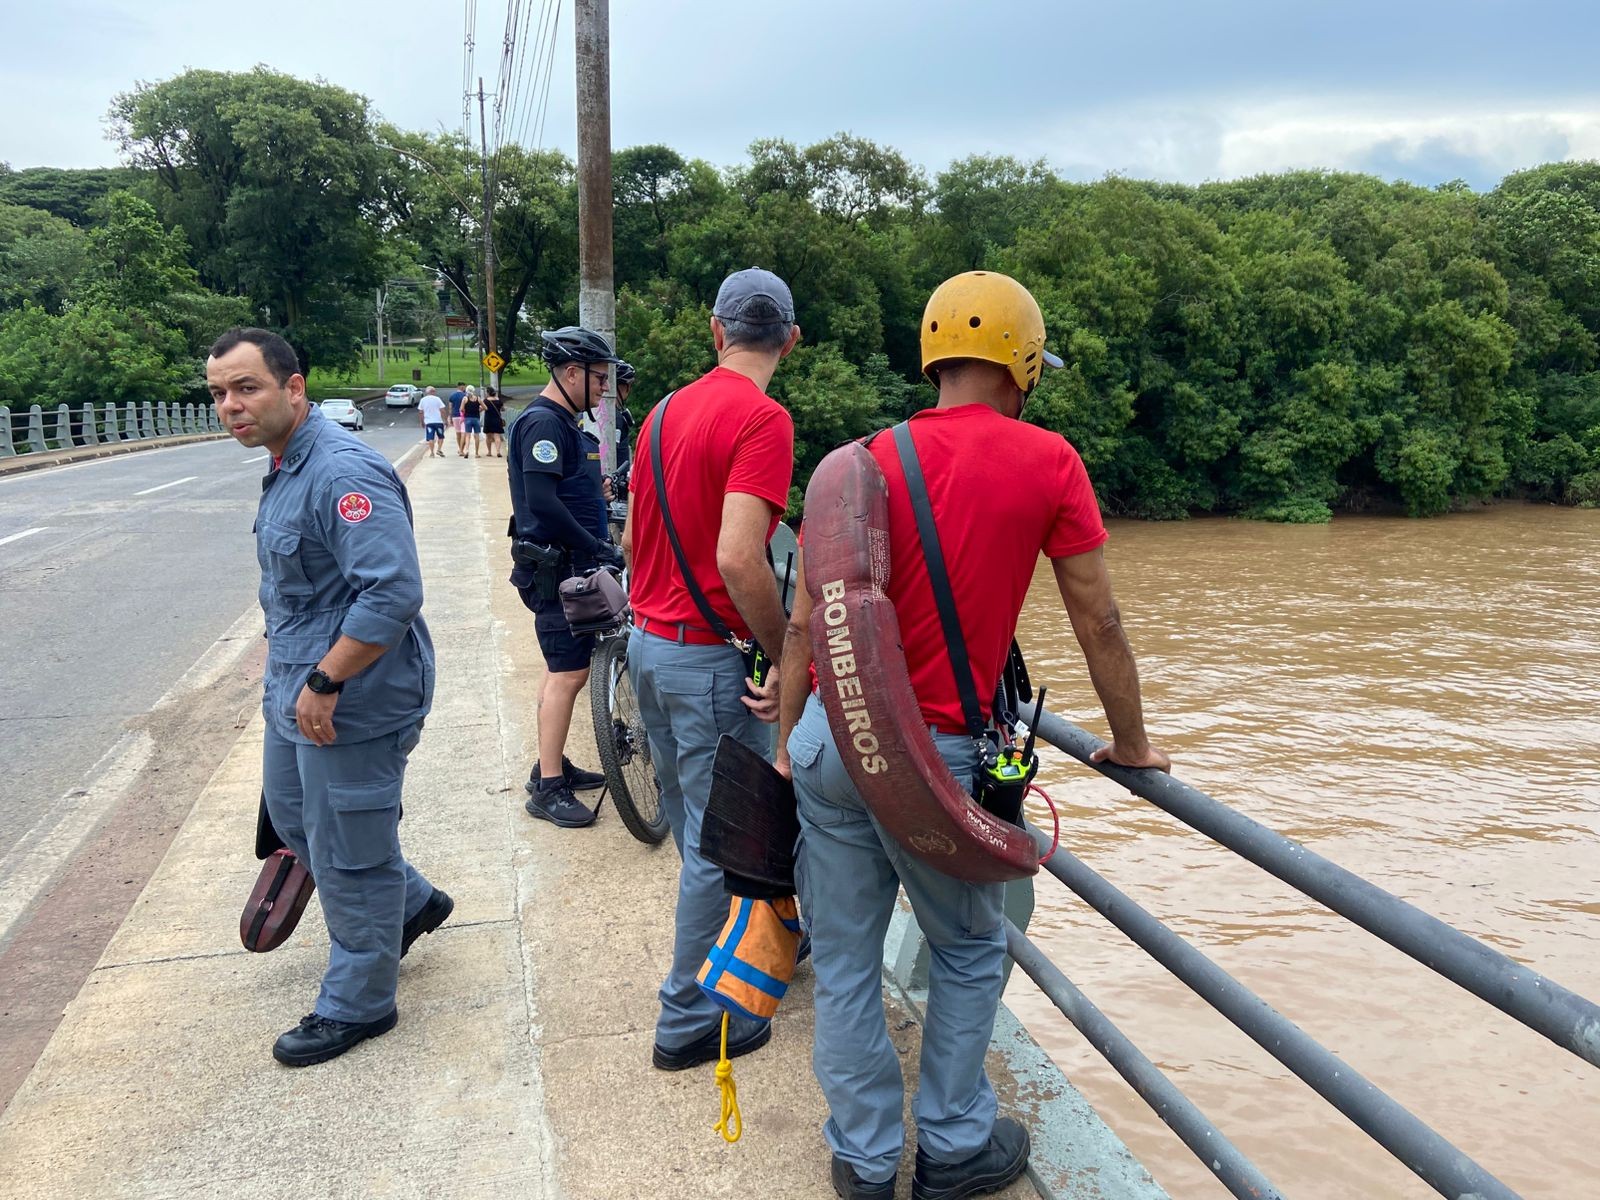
(620, 737)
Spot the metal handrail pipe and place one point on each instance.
(1563, 1016)
(1381, 1117)
(1208, 1143)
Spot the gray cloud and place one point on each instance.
(1161, 88)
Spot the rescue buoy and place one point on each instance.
(866, 690)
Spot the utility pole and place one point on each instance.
(378, 308)
(488, 242)
(597, 302)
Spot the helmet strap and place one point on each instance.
(555, 378)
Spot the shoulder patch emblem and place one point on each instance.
(545, 452)
(354, 508)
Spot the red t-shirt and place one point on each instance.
(1002, 493)
(723, 434)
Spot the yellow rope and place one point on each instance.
(731, 1126)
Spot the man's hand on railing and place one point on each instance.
(1151, 757)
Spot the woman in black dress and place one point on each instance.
(494, 422)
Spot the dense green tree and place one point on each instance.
(273, 180)
(41, 258)
(66, 193)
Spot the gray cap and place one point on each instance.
(756, 297)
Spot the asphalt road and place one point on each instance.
(116, 576)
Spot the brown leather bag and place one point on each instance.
(280, 895)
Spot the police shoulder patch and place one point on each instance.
(545, 452)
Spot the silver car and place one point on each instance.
(346, 412)
(401, 395)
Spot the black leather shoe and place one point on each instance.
(708, 1047)
(559, 806)
(851, 1186)
(575, 778)
(990, 1169)
(317, 1039)
(429, 917)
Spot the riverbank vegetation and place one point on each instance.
(1282, 347)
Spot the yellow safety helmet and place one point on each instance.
(990, 317)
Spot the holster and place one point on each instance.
(547, 564)
(280, 895)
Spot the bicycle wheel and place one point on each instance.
(620, 737)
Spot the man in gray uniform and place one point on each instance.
(342, 593)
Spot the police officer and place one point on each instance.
(559, 529)
(349, 680)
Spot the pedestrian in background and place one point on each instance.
(430, 411)
(494, 422)
(472, 424)
(341, 590)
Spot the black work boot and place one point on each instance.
(990, 1169)
(851, 1186)
(575, 778)
(429, 917)
(745, 1034)
(553, 801)
(317, 1039)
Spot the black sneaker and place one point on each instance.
(317, 1039)
(744, 1035)
(851, 1186)
(575, 778)
(990, 1169)
(429, 917)
(558, 806)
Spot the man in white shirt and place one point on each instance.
(431, 410)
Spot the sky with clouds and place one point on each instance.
(1426, 90)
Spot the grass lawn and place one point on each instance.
(462, 369)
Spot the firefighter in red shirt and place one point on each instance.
(983, 347)
(710, 478)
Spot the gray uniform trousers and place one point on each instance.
(852, 872)
(689, 696)
(338, 809)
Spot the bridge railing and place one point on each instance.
(1567, 1019)
(36, 430)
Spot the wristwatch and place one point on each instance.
(319, 683)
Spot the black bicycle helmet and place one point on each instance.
(574, 343)
(625, 372)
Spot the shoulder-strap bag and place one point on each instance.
(1004, 772)
(715, 623)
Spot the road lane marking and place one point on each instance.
(37, 858)
(161, 487)
(257, 458)
(17, 537)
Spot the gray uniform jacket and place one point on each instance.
(338, 556)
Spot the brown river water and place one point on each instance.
(1418, 701)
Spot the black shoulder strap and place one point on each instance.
(717, 624)
(939, 579)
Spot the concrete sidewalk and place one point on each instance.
(520, 1067)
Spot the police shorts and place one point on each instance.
(563, 650)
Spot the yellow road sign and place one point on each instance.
(492, 362)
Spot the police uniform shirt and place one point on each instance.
(546, 440)
(339, 557)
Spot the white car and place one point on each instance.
(401, 395)
(345, 412)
